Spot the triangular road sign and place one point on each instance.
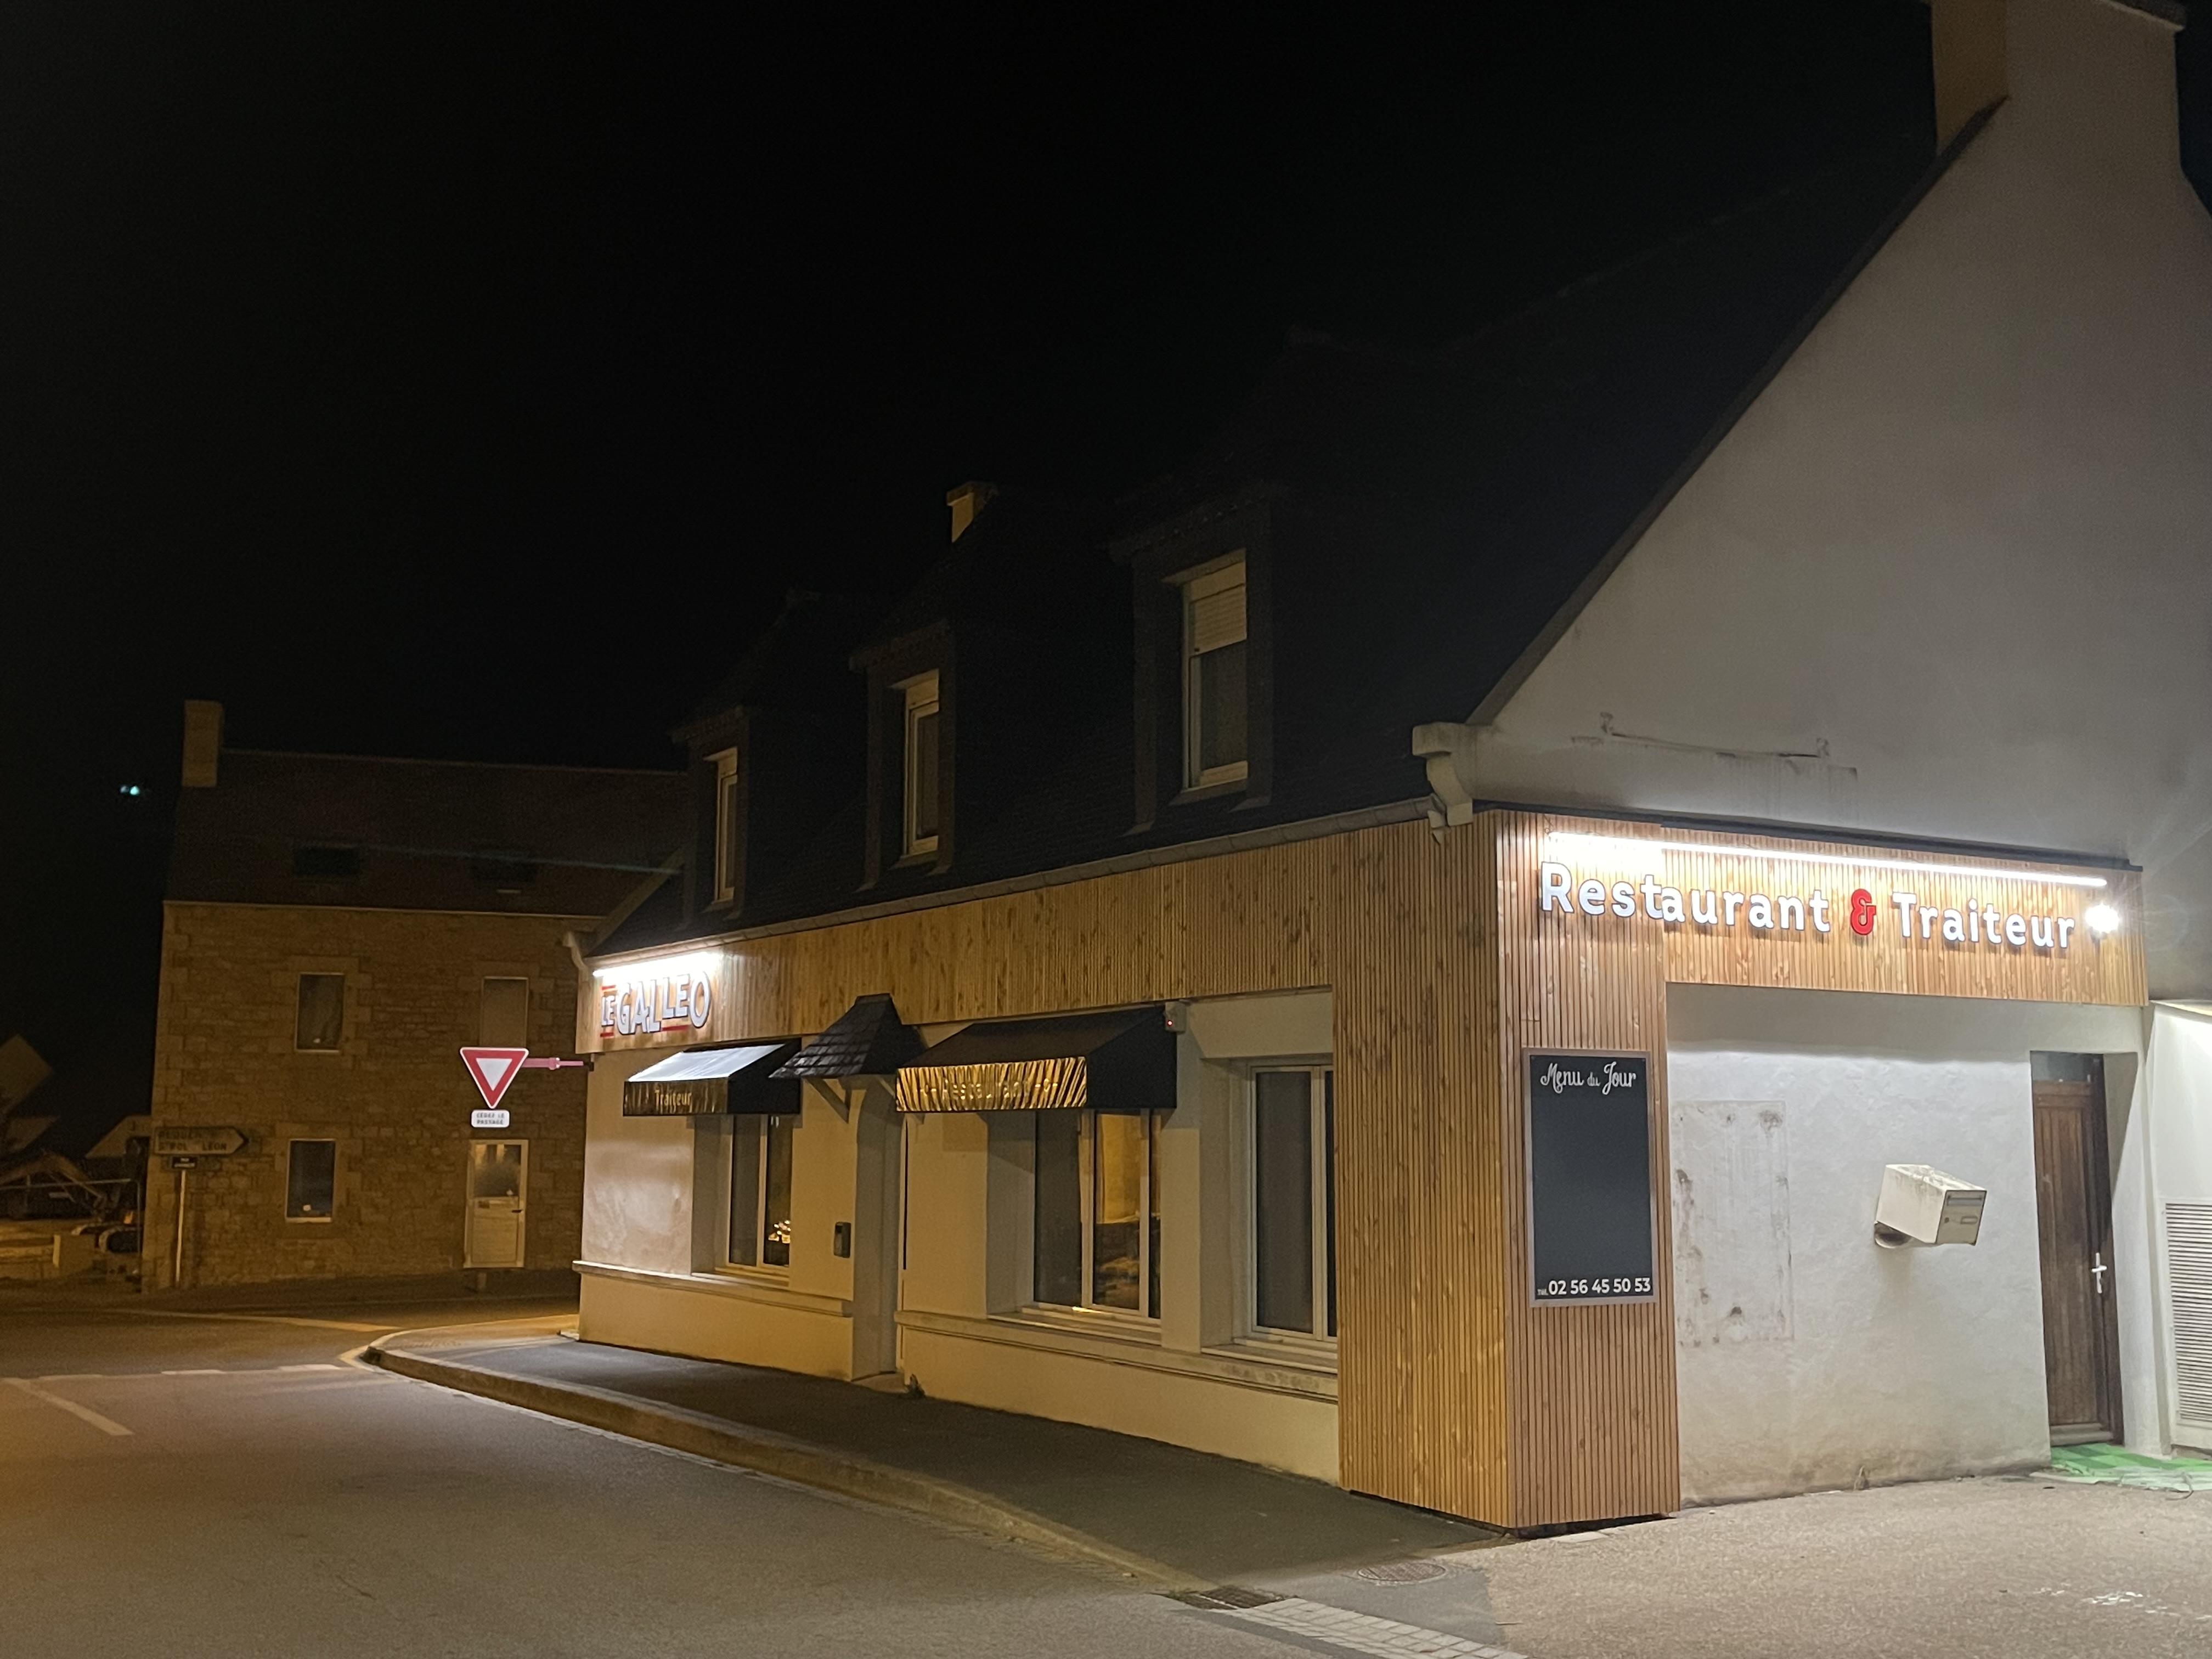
(493, 1070)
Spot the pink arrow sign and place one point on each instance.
(495, 1070)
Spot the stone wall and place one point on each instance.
(394, 1094)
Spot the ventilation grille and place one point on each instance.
(2189, 1276)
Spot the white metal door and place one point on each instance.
(499, 1185)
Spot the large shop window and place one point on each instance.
(1215, 743)
(1293, 1201)
(760, 1191)
(1097, 1229)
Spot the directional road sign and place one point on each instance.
(203, 1142)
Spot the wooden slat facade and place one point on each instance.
(1455, 1393)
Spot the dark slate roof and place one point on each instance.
(1434, 514)
(426, 835)
(797, 660)
(868, 1039)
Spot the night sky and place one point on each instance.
(471, 382)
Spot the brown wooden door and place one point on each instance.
(2074, 1221)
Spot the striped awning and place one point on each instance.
(724, 1078)
(1122, 1060)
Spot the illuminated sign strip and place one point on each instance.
(1601, 845)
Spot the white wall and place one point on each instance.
(637, 1174)
(1808, 1357)
(2179, 1083)
(1951, 575)
(654, 1191)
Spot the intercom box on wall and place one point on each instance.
(1920, 1205)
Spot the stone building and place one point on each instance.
(336, 929)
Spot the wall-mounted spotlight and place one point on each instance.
(2102, 918)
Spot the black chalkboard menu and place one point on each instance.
(1589, 1178)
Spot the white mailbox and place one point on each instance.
(1923, 1206)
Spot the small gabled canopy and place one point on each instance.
(1121, 1061)
(730, 1076)
(867, 1040)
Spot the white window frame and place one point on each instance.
(923, 698)
(756, 1269)
(1320, 1094)
(725, 825)
(1086, 1203)
(1201, 583)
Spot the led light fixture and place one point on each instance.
(2102, 918)
(1634, 852)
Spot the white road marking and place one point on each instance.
(1360, 1632)
(318, 1366)
(105, 1424)
(196, 1370)
(255, 1319)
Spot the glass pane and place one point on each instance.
(1117, 1215)
(1328, 1185)
(2045, 1066)
(321, 1011)
(1282, 1200)
(775, 1204)
(1221, 707)
(311, 1180)
(495, 1169)
(1059, 1249)
(1153, 1120)
(744, 1190)
(924, 759)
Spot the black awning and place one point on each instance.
(727, 1076)
(867, 1040)
(1122, 1060)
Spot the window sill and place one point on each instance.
(739, 1286)
(1114, 1343)
(1312, 1353)
(1199, 792)
(309, 1220)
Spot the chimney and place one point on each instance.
(202, 743)
(1967, 38)
(966, 502)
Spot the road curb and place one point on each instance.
(766, 1452)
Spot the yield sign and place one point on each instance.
(494, 1069)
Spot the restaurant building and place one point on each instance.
(1615, 915)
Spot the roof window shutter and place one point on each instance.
(1217, 608)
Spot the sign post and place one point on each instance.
(184, 1147)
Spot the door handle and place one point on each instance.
(2099, 1273)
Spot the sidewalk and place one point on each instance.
(1181, 1521)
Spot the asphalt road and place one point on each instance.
(227, 1486)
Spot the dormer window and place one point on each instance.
(1216, 739)
(725, 825)
(920, 772)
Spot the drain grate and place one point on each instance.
(1227, 1598)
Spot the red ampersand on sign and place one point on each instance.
(1862, 912)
